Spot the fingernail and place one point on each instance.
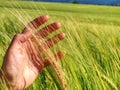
(47, 16)
(58, 24)
(61, 36)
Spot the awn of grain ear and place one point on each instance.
(52, 60)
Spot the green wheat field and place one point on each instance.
(91, 46)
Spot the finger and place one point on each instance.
(37, 22)
(50, 42)
(28, 30)
(57, 56)
(48, 29)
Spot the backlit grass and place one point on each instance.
(91, 47)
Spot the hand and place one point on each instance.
(22, 63)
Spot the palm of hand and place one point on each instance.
(22, 63)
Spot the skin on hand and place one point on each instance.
(22, 64)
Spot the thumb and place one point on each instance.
(21, 38)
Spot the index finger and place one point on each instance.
(34, 25)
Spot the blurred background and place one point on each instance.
(103, 2)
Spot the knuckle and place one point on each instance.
(17, 36)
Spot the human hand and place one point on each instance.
(22, 62)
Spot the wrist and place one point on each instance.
(7, 84)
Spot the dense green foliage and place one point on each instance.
(92, 44)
